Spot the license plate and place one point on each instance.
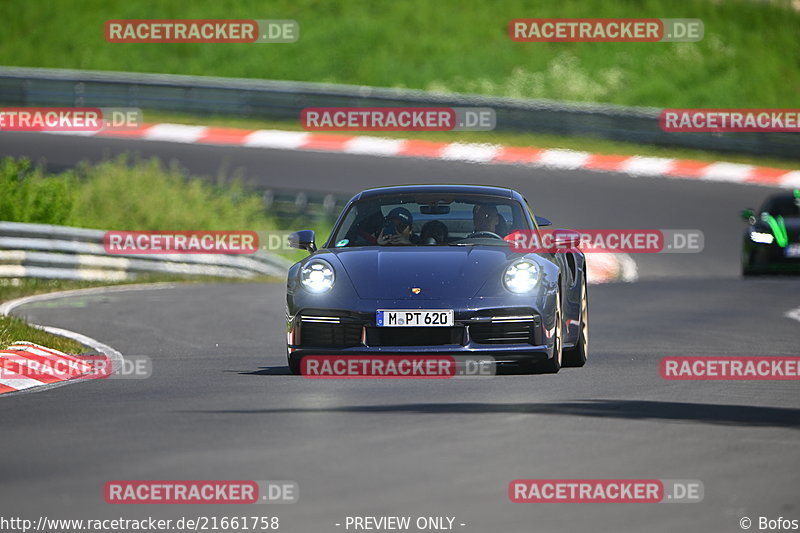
(414, 317)
(793, 250)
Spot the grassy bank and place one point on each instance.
(14, 329)
(138, 195)
(126, 195)
(748, 58)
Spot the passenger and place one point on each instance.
(398, 227)
(367, 230)
(433, 232)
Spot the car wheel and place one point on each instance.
(747, 265)
(553, 365)
(576, 357)
(294, 365)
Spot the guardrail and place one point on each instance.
(62, 252)
(270, 99)
(291, 205)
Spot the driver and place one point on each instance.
(486, 218)
(398, 227)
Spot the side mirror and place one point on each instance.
(541, 221)
(749, 215)
(303, 240)
(566, 238)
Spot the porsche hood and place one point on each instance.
(399, 273)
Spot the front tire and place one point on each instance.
(553, 365)
(576, 357)
(747, 265)
(294, 365)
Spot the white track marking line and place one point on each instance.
(794, 314)
(78, 133)
(105, 349)
(26, 345)
(722, 171)
(291, 140)
(472, 152)
(373, 146)
(175, 133)
(647, 166)
(568, 159)
(18, 383)
(791, 179)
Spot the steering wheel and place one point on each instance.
(479, 234)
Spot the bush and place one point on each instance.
(125, 195)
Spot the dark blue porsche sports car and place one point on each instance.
(425, 269)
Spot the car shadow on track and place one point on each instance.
(269, 371)
(283, 370)
(701, 413)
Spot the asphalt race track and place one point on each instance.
(221, 405)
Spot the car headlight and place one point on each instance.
(317, 276)
(521, 276)
(764, 238)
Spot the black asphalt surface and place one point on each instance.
(221, 405)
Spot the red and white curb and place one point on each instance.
(23, 359)
(469, 152)
(25, 365)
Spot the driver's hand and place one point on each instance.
(389, 239)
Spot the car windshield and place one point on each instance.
(785, 206)
(424, 220)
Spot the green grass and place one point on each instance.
(748, 58)
(13, 329)
(124, 194)
(135, 195)
(589, 144)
